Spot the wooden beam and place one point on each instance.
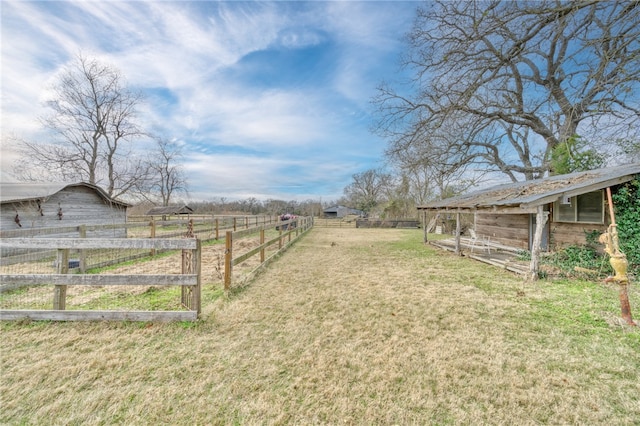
(99, 243)
(155, 316)
(20, 280)
(458, 232)
(541, 220)
(522, 209)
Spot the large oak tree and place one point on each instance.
(501, 84)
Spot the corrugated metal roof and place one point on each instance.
(533, 193)
(21, 191)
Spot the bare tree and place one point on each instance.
(368, 189)
(166, 176)
(93, 120)
(502, 83)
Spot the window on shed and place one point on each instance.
(587, 207)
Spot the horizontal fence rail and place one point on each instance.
(288, 231)
(206, 228)
(189, 280)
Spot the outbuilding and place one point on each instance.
(170, 211)
(338, 212)
(49, 205)
(564, 209)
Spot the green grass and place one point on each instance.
(348, 327)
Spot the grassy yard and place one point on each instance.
(350, 326)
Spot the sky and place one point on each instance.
(270, 100)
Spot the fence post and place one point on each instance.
(280, 239)
(192, 264)
(246, 222)
(60, 291)
(228, 255)
(197, 255)
(152, 235)
(261, 243)
(234, 223)
(83, 253)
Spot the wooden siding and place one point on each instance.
(80, 206)
(566, 234)
(507, 229)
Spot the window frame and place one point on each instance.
(574, 205)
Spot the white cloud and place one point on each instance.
(188, 50)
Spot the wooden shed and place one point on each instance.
(569, 206)
(169, 211)
(44, 205)
(341, 211)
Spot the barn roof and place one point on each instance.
(22, 191)
(526, 196)
(169, 210)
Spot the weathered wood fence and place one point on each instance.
(388, 223)
(189, 279)
(205, 228)
(288, 232)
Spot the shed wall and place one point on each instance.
(567, 234)
(508, 229)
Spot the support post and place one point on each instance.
(458, 230)
(534, 265)
(618, 262)
(424, 227)
(262, 249)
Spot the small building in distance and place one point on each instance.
(51, 205)
(170, 211)
(338, 212)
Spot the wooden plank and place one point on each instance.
(155, 316)
(17, 233)
(99, 243)
(246, 232)
(503, 220)
(97, 280)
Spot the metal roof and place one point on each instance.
(529, 194)
(21, 191)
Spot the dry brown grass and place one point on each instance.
(350, 326)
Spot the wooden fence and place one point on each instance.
(189, 280)
(205, 228)
(388, 223)
(72, 272)
(335, 223)
(288, 232)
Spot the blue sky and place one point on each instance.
(269, 99)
